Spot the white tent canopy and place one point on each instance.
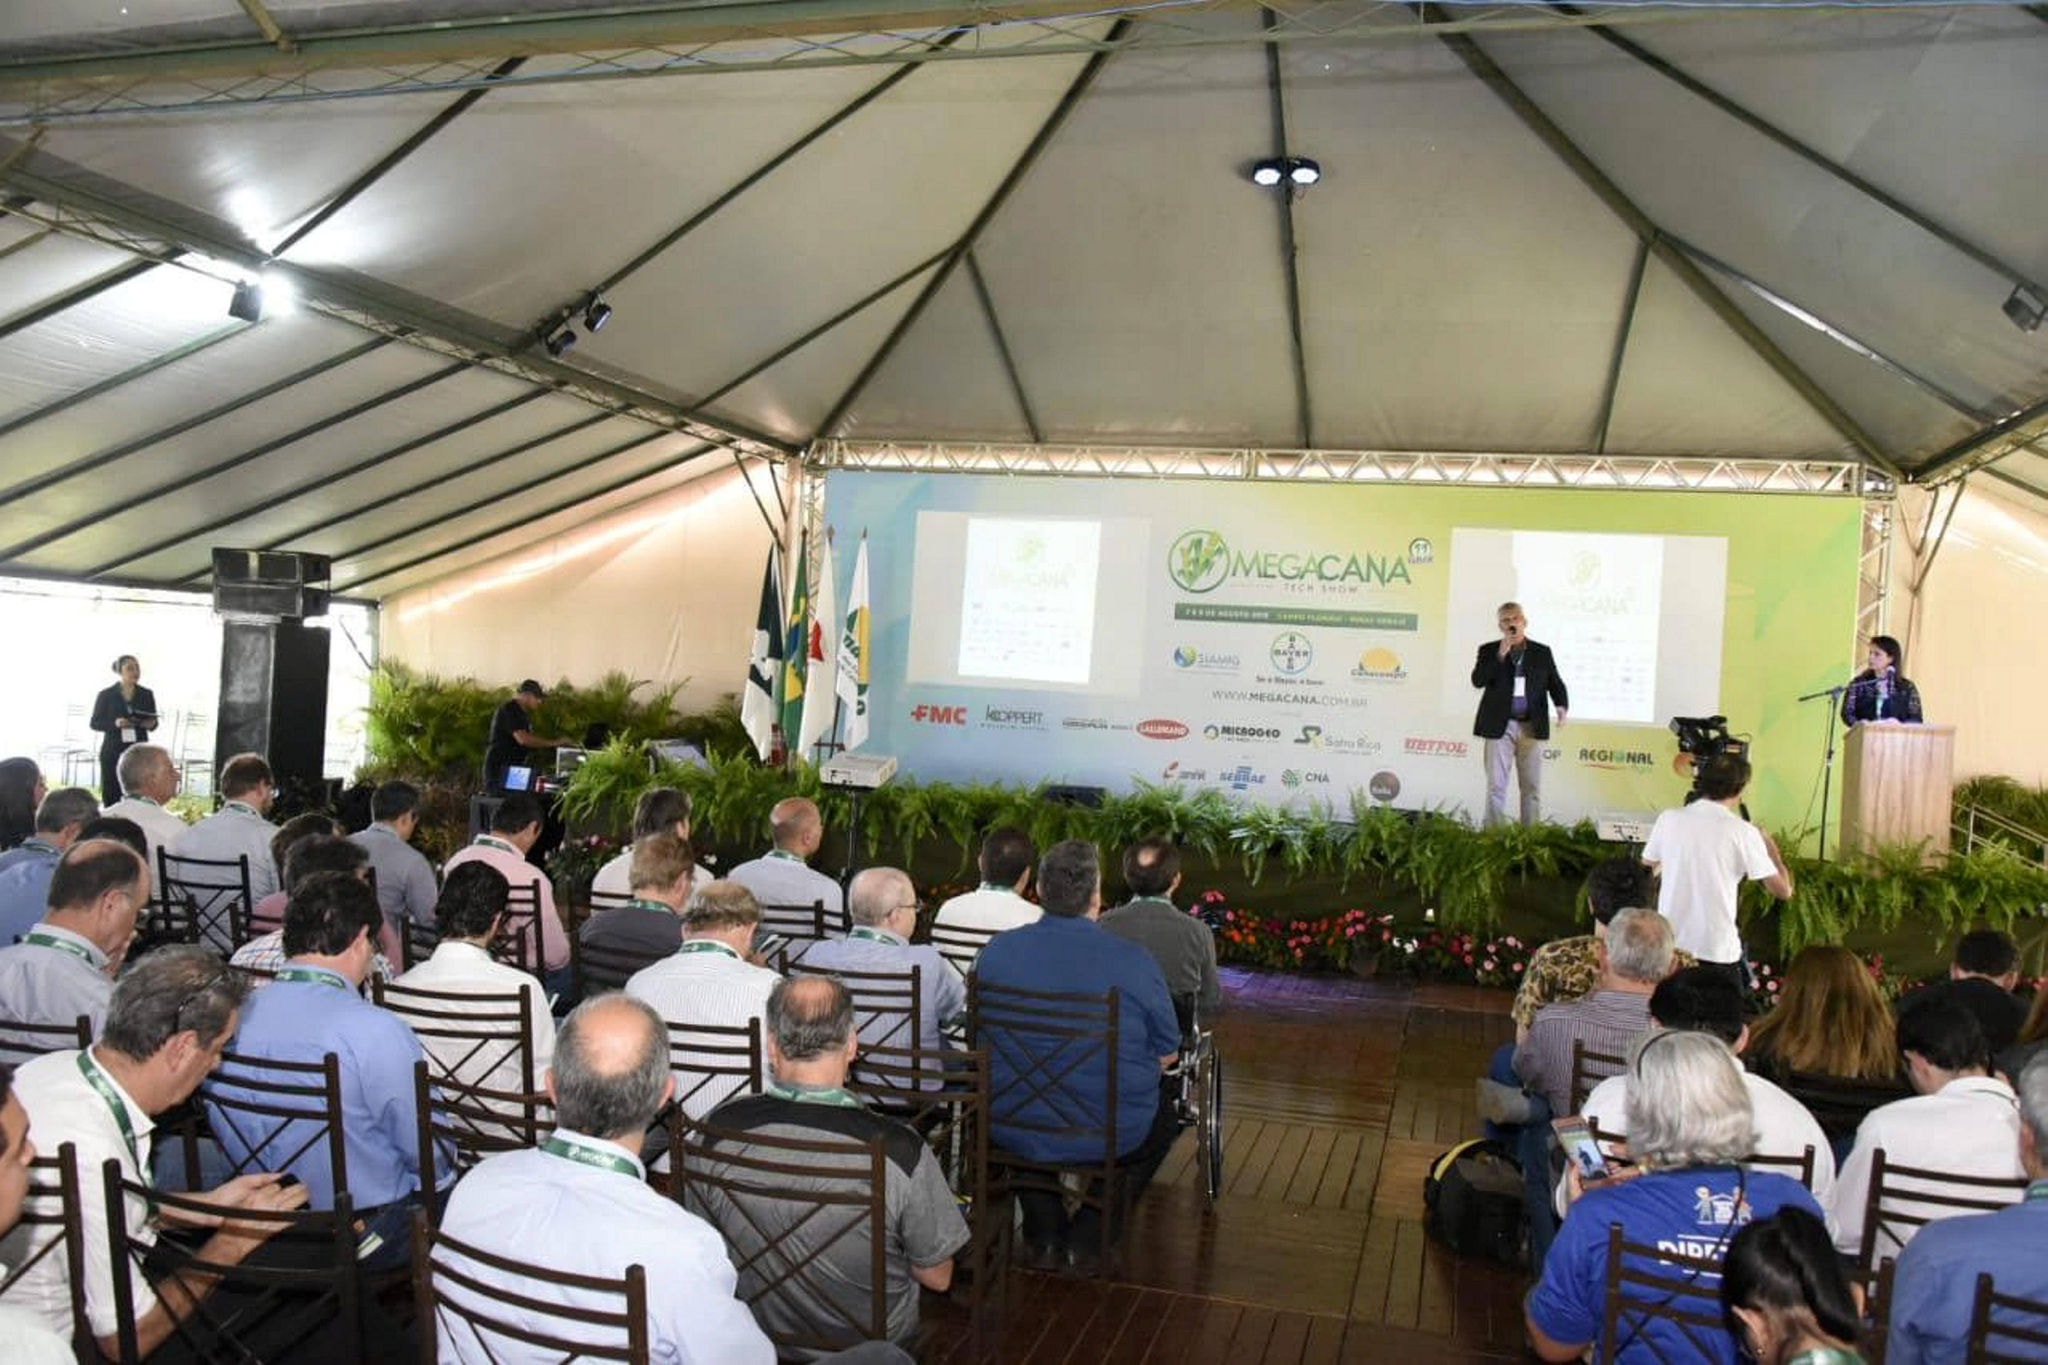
(1768, 231)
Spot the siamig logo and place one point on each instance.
(1200, 561)
(938, 715)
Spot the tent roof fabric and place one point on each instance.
(1765, 231)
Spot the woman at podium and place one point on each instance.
(1881, 691)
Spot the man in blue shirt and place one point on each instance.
(884, 906)
(406, 889)
(1934, 1288)
(1068, 952)
(25, 870)
(314, 1007)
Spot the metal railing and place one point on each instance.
(1976, 828)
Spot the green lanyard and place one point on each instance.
(2037, 1193)
(244, 807)
(62, 945)
(787, 856)
(315, 976)
(869, 935)
(97, 1079)
(710, 945)
(569, 1149)
(488, 842)
(641, 903)
(832, 1095)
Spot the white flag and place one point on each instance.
(821, 646)
(852, 682)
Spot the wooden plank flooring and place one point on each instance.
(1338, 1095)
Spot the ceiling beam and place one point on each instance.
(267, 25)
(115, 381)
(72, 297)
(1289, 251)
(1623, 330)
(1580, 164)
(2007, 436)
(995, 329)
(1118, 34)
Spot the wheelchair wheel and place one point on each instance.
(1210, 1134)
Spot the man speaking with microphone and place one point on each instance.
(1518, 680)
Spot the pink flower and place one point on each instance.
(1491, 964)
(1518, 967)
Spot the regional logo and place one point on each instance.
(1291, 653)
(1198, 561)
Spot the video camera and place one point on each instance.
(1705, 737)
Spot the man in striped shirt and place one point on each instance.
(710, 980)
(1634, 957)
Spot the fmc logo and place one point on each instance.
(1162, 729)
(1200, 561)
(938, 715)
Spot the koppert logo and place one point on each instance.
(1201, 561)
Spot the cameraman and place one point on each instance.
(1702, 853)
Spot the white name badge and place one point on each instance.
(1521, 687)
(129, 735)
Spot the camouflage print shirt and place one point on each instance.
(1565, 969)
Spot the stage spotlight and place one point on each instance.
(247, 304)
(1303, 172)
(277, 293)
(2026, 308)
(559, 343)
(596, 314)
(1268, 173)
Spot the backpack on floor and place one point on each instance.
(1474, 1194)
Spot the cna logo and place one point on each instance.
(1437, 748)
(1294, 779)
(1012, 718)
(1385, 786)
(938, 715)
(1241, 778)
(1315, 737)
(1173, 772)
(1420, 551)
(1619, 760)
(1201, 561)
(1291, 653)
(1162, 729)
(1228, 732)
(1379, 664)
(1205, 660)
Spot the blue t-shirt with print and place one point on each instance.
(1692, 1212)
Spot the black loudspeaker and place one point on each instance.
(273, 697)
(270, 583)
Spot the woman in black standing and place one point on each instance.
(123, 714)
(1882, 691)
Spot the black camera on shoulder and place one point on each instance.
(1702, 738)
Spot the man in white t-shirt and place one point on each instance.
(1702, 853)
(1007, 856)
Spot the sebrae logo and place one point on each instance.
(938, 715)
(1201, 561)
(1241, 778)
(1162, 729)
(1380, 664)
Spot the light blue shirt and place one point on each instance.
(232, 832)
(1935, 1285)
(405, 879)
(533, 1206)
(301, 1021)
(942, 996)
(25, 874)
(783, 879)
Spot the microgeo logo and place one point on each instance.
(1239, 732)
(938, 715)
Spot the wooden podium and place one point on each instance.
(1896, 785)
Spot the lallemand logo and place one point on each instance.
(1162, 729)
(1201, 561)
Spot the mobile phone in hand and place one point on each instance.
(1575, 1135)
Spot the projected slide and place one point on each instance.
(1027, 599)
(1635, 621)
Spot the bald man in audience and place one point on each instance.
(64, 967)
(884, 916)
(783, 875)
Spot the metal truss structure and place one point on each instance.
(1646, 473)
(462, 54)
(1874, 568)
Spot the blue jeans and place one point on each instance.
(1531, 1144)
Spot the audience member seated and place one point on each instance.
(65, 965)
(1181, 944)
(1784, 1296)
(120, 830)
(998, 903)
(1708, 1002)
(1634, 956)
(170, 1018)
(811, 1044)
(21, 792)
(28, 1339)
(1961, 1119)
(783, 875)
(660, 810)
(25, 870)
(1830, 1041)
(884, 907)
(267, 915)
(1689, 1123)
(1569, 968)
(1067, 951)
(1981, 978)
(2032, 1040)
(470, 914)
(314, 1008)
(149, 780)
(711, 981)
(1936, 1279)
(406, 890)
(515, 829)
(650, 923)
(580, 1204)
(240, 828)
(310, 856)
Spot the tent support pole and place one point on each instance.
(1621, 336)
(995, 330)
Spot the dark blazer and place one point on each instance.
(1860, 701)
(1497, 676)
(109, 710)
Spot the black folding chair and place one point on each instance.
(480, 1064)
(959, 944)
(1588, 1070)
(888, 1006)
(1903, 1199)
(202, 900)
(482, 1320)
(268, 1122)
(2006, 1328)
(21, 1041)
(784, 1205)
(801, 924)
(601, 901)
(519, 942)
(714, 1062)
(1647, 1285)
(472, 1122)
(52, 1227)
(416, 943)
(602, 967)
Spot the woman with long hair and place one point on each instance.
(1784, 1296)
(1830, 1041)
(1882, 691)
(21, 791)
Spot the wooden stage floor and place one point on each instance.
(1339, 1093)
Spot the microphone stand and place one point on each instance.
(1827, 781)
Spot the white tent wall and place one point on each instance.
(665, 589)
(1970, 647)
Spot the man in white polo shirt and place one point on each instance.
(1702, 853)
(783, 875)
(710, 980)
(1006, 859)
(149, 779)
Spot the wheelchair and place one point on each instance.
(1199, 1104)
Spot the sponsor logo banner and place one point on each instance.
(1012, 718)
(1257, 615)
(1616, 760)
(1276, 697)
(1206, 660)
(1316, 737)
(1174, 772)
(1437, 748)
(925, 714)
(1162, 729)
(1234, 732)
(1202, 561)
(1092, 723)
(1385, 786)
(1294, 779)
(1241, 778)
(1379, 664)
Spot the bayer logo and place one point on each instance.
(1292, 653)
